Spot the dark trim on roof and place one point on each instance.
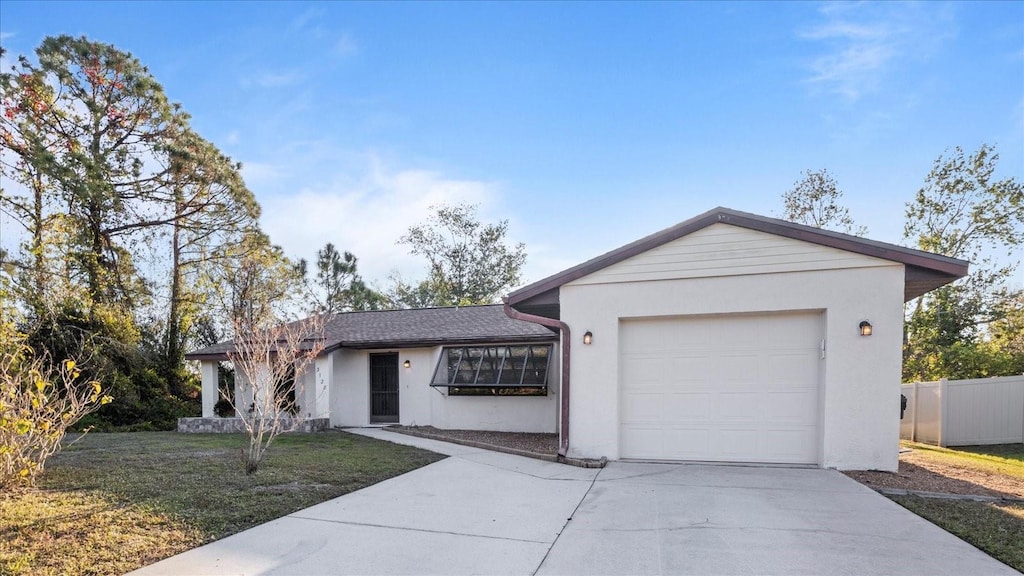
(940, 269)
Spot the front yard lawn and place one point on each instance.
(112, 503)
(996, 472)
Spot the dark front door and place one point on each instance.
(383, 388)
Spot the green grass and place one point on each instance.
(114, 502)
(1007, 459)
(996, 529)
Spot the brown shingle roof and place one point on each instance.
(414, 328)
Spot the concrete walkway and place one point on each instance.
(482, 512)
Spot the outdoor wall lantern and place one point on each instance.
(407, 364)
(865, 328)
(588, 337)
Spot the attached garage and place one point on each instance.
(732, 337)
(735, 388)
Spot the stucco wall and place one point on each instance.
(861, 375)
(422, 405)
(350, 388)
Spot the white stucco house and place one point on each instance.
(729, 337)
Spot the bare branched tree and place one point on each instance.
(269, 362)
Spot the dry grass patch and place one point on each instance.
(115, 502)
(55, 532)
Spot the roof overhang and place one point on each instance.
(924, 271)
(221, 356)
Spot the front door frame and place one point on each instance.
(384, 401)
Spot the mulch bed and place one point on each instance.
(919, 474)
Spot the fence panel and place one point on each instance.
(988, 411)
(965, 412)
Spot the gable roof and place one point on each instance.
(924, 271)
(414, 328)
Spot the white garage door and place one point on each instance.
(737, 388)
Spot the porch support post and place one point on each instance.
(208, 372)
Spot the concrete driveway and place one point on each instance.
(482, 512)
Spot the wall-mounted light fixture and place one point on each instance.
(865, 328)
(407, 364)
(588, 337)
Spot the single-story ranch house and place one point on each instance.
(729, 337)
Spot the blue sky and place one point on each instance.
(585, 125)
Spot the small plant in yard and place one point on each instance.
(267, 356)
(37, 405)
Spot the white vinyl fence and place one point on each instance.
(965, 412)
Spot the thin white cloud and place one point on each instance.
(258, 175)
(367, 216)
(276, 79)
(346, 45)
(301, 22)
(861, 44)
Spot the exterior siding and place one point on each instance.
(860, 388)
(724, 250)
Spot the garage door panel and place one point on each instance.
(792, 369)
(688, 408)
(645, 442)
(742, 406)
(690, 368)
(797, 407)
(643, 408)
(685, 444)
(736, 445)
(738, 388)
(789, 446)
(645, 372)
(738, 367)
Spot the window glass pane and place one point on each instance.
(513, 365)
(536, 369)
(451, 358)
(511, 370)
(466, 373)
(490, 361)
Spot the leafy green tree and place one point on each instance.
(343, 290)
(211, 207)
(257, 282)
(104, 125)
(101, 171)
(965, 212)
(469, 262)
(816, 200)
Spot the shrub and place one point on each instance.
(38, 404)
(224, 408)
